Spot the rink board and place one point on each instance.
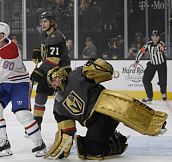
(126, 78)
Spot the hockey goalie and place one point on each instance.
(80, 97)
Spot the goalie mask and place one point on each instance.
(5, 29)
(62, 73)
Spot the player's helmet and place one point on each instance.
(4, 28)
(63, 73)
(48, 15)
(155, 33)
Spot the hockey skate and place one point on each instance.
(147, 100)
(5, 148)
(164, 97)
(40, 149)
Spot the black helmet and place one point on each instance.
(48, 15)
(155, 33)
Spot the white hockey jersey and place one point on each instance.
(12, 69)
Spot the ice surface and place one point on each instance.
(141, 148)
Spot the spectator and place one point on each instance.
(86, 16)
(69, 44)
(112, 51)
(120, 47)
(58, 7)
(69, 7)
(84, 7)
(68, 17)
(135, 47)
(90, 51)
(132, 52)
(14, 39)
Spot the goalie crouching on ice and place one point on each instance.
(80, 97)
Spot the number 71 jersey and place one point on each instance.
(12, 69)
(53, 50)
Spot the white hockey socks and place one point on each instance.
(26, 119)
(2, 124)
(4, 143)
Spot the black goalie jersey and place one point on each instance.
(79, 98)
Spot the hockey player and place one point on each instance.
(82, 98)
(15, 87)
(157, 51)
(53, 52)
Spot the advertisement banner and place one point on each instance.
(125, 77)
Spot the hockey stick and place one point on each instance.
(32, 79)
(65, 145)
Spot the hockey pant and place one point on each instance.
(149, 74)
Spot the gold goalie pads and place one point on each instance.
(131, 112)
(98, 70)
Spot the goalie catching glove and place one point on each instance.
(97, 70)
(36, 75)
(36, 57)
(63, 141)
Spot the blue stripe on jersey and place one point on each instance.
(3, 126)
(33, 132)
(18, 79)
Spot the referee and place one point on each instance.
(157, 50)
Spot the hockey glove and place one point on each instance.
(36, 75)
(63, 141)
(36, 57)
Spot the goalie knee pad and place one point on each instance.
(117, 137)
(91, 150)
(26, 119)
(114, 149)
(116, 145)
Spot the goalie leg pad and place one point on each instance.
(131, 112)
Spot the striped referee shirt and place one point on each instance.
(157, 56)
